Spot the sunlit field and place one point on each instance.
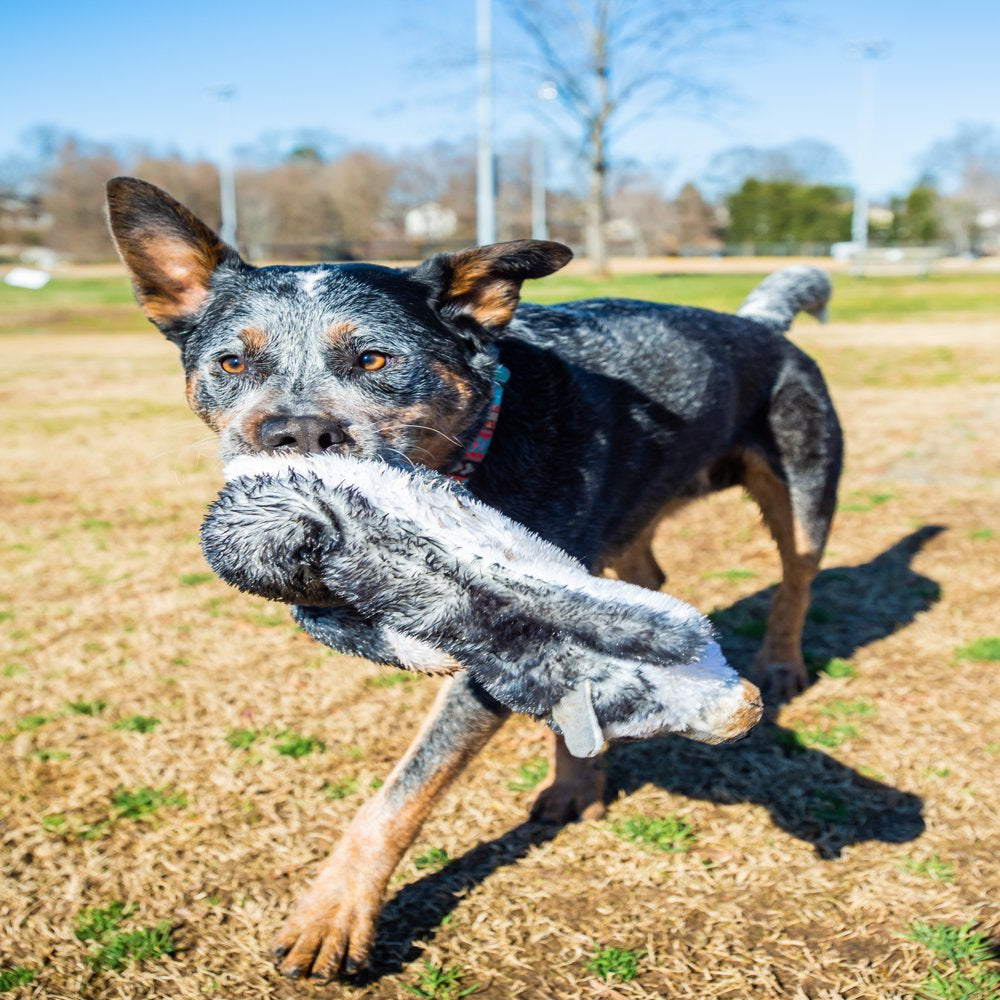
(176, 757)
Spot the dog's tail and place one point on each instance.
(776, 300)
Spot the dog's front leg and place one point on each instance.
(332, 928)
(574, 788)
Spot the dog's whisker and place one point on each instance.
(423, 427)
(405, 458)
(198, 443)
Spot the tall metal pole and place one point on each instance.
(227, 169)
(539, 223)
(486, 216)
(868, 52)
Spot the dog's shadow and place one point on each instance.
(808, 793)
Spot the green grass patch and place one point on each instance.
(138, 803)
(984, 650)
(827, 738)
(439, 982)
(196, 579)
(388, 680)
(621, 964)
(116, 948)
(529, 775)
(94, 923)
(933, 867)
(433, 859)
(51, 754)
(137, 724)
(670, 834)
(731, 574)
(965, 966)
(878, 297)
(94, 707)
(340, 789)
(241, 739)
(296, 745)
(839, 668)
(12, 976)
(848, 709)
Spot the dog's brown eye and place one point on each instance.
(372, 361)
(233, 364)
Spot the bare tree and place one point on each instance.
(966, 169)
(616, 62)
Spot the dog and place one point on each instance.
(614, 413)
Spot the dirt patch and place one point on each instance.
(869, 803)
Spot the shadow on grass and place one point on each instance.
(808, 793)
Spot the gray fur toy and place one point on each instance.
(403, 567)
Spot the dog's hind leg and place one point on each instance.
(332, 928)
(797, 496)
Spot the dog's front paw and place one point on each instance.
(781, 681)
(332, 928)
(572, 793)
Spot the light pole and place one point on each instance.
(539, 223)
(486, 214)
(227, 169)
(868, 53)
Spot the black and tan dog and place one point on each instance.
(614, 412)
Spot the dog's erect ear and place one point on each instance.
(483, 284)
(170, 253)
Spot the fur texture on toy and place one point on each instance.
(404, 568)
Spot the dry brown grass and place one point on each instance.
(807, 866)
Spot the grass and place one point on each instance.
(830, 738)
(433, 859)
(933, 867)
(515, 910)
(139, 803)
(94, 707)
(984, 650)
(340, 789)
(439, 982)
(137, 724)
(619, 964)
(838, 668)
(967, 962)
(388, 680)
(530, 775)
(891, 299)
(12, 976)
(105, 304)
(296, 745)
(241, 739)
(670, 834)
(848, 709)
(116, 948)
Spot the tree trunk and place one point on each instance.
(597, 207)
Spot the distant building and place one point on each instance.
(430, 221)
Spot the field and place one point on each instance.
(175, 757)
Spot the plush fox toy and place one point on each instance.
(405, 568)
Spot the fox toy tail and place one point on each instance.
(777, 299)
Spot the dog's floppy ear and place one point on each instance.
(170, 253)
(482, 284)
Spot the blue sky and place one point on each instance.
(392, 74)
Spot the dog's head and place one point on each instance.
(357, 359)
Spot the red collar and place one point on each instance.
(463, 469)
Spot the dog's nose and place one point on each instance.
(307, 435)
